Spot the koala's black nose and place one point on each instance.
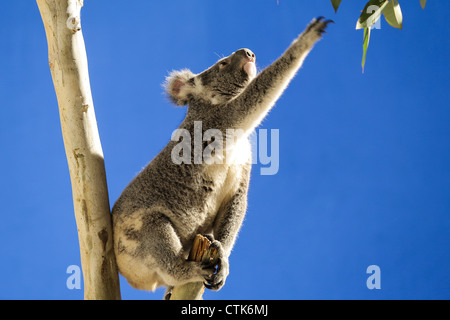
(247, 53)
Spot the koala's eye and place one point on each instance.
(223, 64)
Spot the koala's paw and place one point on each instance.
(194, 271)
(317, 27)
(216, 280)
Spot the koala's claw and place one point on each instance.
(208, 270)
(216, 280)
(214, 287)
(209, 237)
(319, 25)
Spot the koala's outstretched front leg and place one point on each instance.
(226, 226)
(252, 105)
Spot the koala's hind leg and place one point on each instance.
(162, 246)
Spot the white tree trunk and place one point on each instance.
(69, 69)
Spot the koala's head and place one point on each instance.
(217, 84)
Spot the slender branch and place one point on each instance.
(69, 69)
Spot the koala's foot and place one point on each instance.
(217, 280)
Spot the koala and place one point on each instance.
(158, 215)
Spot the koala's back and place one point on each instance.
(174, 190)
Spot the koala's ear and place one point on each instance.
(178, 85)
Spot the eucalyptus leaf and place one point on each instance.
(336, 4)
(393, 14)
(371, 13)
(365, 46)
(423, 3)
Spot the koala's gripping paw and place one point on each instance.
(197, 271)
(317, 27)
(216, 280)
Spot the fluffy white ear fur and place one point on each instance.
(178, 87)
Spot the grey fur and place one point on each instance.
(160, 212)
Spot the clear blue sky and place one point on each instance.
(364, 172)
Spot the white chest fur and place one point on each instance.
(227, 173)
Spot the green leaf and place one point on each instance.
(371, 13)
(423, 3)
(393, 14)
(336, 4)
(365, 46)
